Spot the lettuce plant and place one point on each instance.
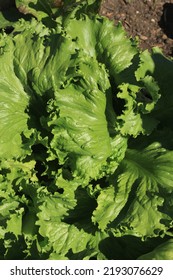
(86, 138)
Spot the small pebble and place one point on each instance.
(164, 37)
(143, 37)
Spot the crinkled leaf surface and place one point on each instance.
(134, 198)
(69, 219)
(13, 103)
(82, 121)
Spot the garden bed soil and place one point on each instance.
(150, 20)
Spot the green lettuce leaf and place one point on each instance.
(152, 64)
(68, 219)
(83, 101)
(134, 201)
(38, 8)
(13, 103)
(161, 252)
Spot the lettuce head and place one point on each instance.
(86, 138)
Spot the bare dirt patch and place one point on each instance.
(150, 20)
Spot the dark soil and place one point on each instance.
(150, 20)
